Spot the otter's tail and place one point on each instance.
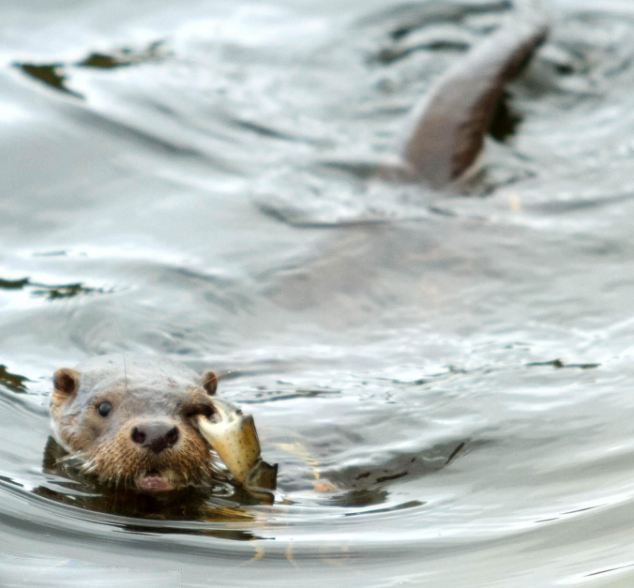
(452, 121)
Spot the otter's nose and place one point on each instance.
(155, 436)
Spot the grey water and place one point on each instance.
(445, 379)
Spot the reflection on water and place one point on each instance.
(52, 292)
(14, 382)
(442, 379)
(54, 74)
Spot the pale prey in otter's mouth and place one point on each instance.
(141, 423)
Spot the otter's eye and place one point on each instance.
(198, 409)
(104, 408)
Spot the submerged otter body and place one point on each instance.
(131, 421)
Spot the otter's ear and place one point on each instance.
(66, 382)
(210, 382)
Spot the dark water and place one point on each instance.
(192, 179)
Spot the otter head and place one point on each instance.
(132, 422)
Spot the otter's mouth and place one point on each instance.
(155, 481)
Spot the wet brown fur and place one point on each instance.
(454, 117)
(118, 462)
(141, 391)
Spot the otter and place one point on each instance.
(139, 422)
(133, 422)
(452, 120)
